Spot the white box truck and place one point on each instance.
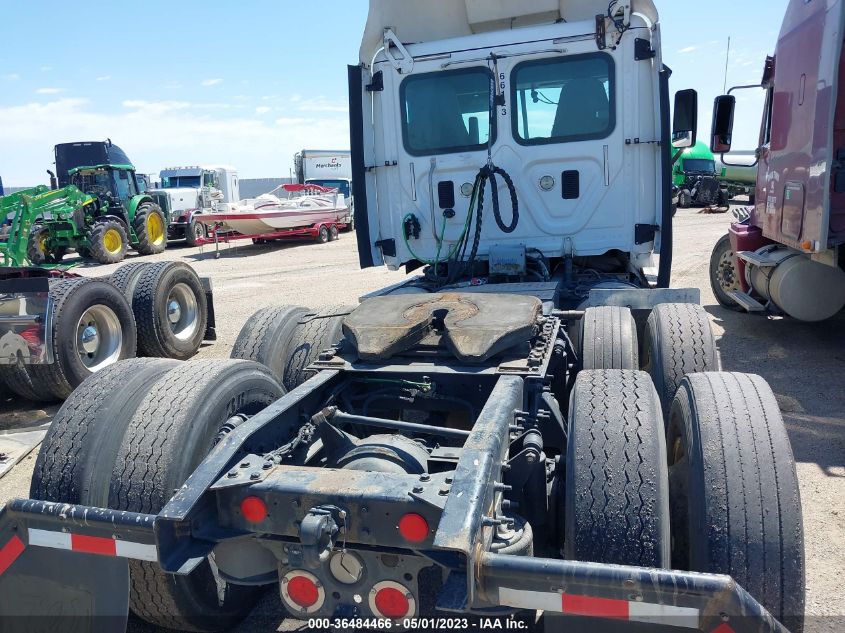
(327, 168)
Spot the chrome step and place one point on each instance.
(747, 301)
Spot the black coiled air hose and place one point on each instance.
(488, 172)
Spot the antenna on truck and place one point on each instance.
(727, 63)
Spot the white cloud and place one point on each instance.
(212, 82)
(158, 133)
(320, 104)
(12, 77)
(48, 91)
(688, 49)
(104, 78)
(262, 110)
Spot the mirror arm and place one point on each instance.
(746, 87)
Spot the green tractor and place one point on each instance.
(117, 216)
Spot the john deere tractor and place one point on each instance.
(119, 216)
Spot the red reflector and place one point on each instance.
(723, 628)
(413, 528)
(10, 552)
(392, 603)
(596, 607)
(93, 545)
(303, 591)
(254, 509)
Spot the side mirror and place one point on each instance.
(723, 124)
(685, 123)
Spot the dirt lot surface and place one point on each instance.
(804, 363)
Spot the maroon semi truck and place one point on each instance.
(788, 257)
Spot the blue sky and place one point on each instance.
(250, 83)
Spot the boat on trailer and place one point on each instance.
(306, 205)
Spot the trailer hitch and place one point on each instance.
(318, 532)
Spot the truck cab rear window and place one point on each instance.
(563, 100)
(446, 112)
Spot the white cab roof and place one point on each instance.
(414, 21)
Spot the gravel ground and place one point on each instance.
(804, 363)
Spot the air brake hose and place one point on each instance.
(488, 172)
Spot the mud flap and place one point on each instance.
(65, 567)
(47, 590)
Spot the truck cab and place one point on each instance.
(788, 257)
(695, 175)
(187, 191)
(572, 115)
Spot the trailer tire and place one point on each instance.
(608, 339)
(172, 431)
(266, 337)
(108, 241)
(170, 306)
(126, 278)
(314, 332)
(194, 232)
(735, 502)
(77, 456)
(322, 235)
(678, 341)
(616, 499)
(724, 276)
(103, 308)
(151, 228)
(333, 233)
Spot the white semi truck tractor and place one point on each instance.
(191, 190)
(532, 425)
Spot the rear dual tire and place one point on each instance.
(288, 339)
(172, 430)
(93, 327)
(171, 309)
(735, 503)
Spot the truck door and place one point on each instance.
(800, 138)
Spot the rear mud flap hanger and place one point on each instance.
(404, 63)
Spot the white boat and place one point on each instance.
(306, 206)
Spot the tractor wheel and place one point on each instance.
(678, 341)
(77, 456)
(314, 332)
(93, 328)
(108, 241)
(333, 233)
(38, 250)
(608, 339)
(735, 504)
(266, 337)
(151, 228)
(616, 498)
(171, 309)
(126, 278)
(172, 431)
(724, 275)
(194, 232)
(322, 235)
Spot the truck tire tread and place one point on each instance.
(617, 489)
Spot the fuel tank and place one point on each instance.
(802, 288)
